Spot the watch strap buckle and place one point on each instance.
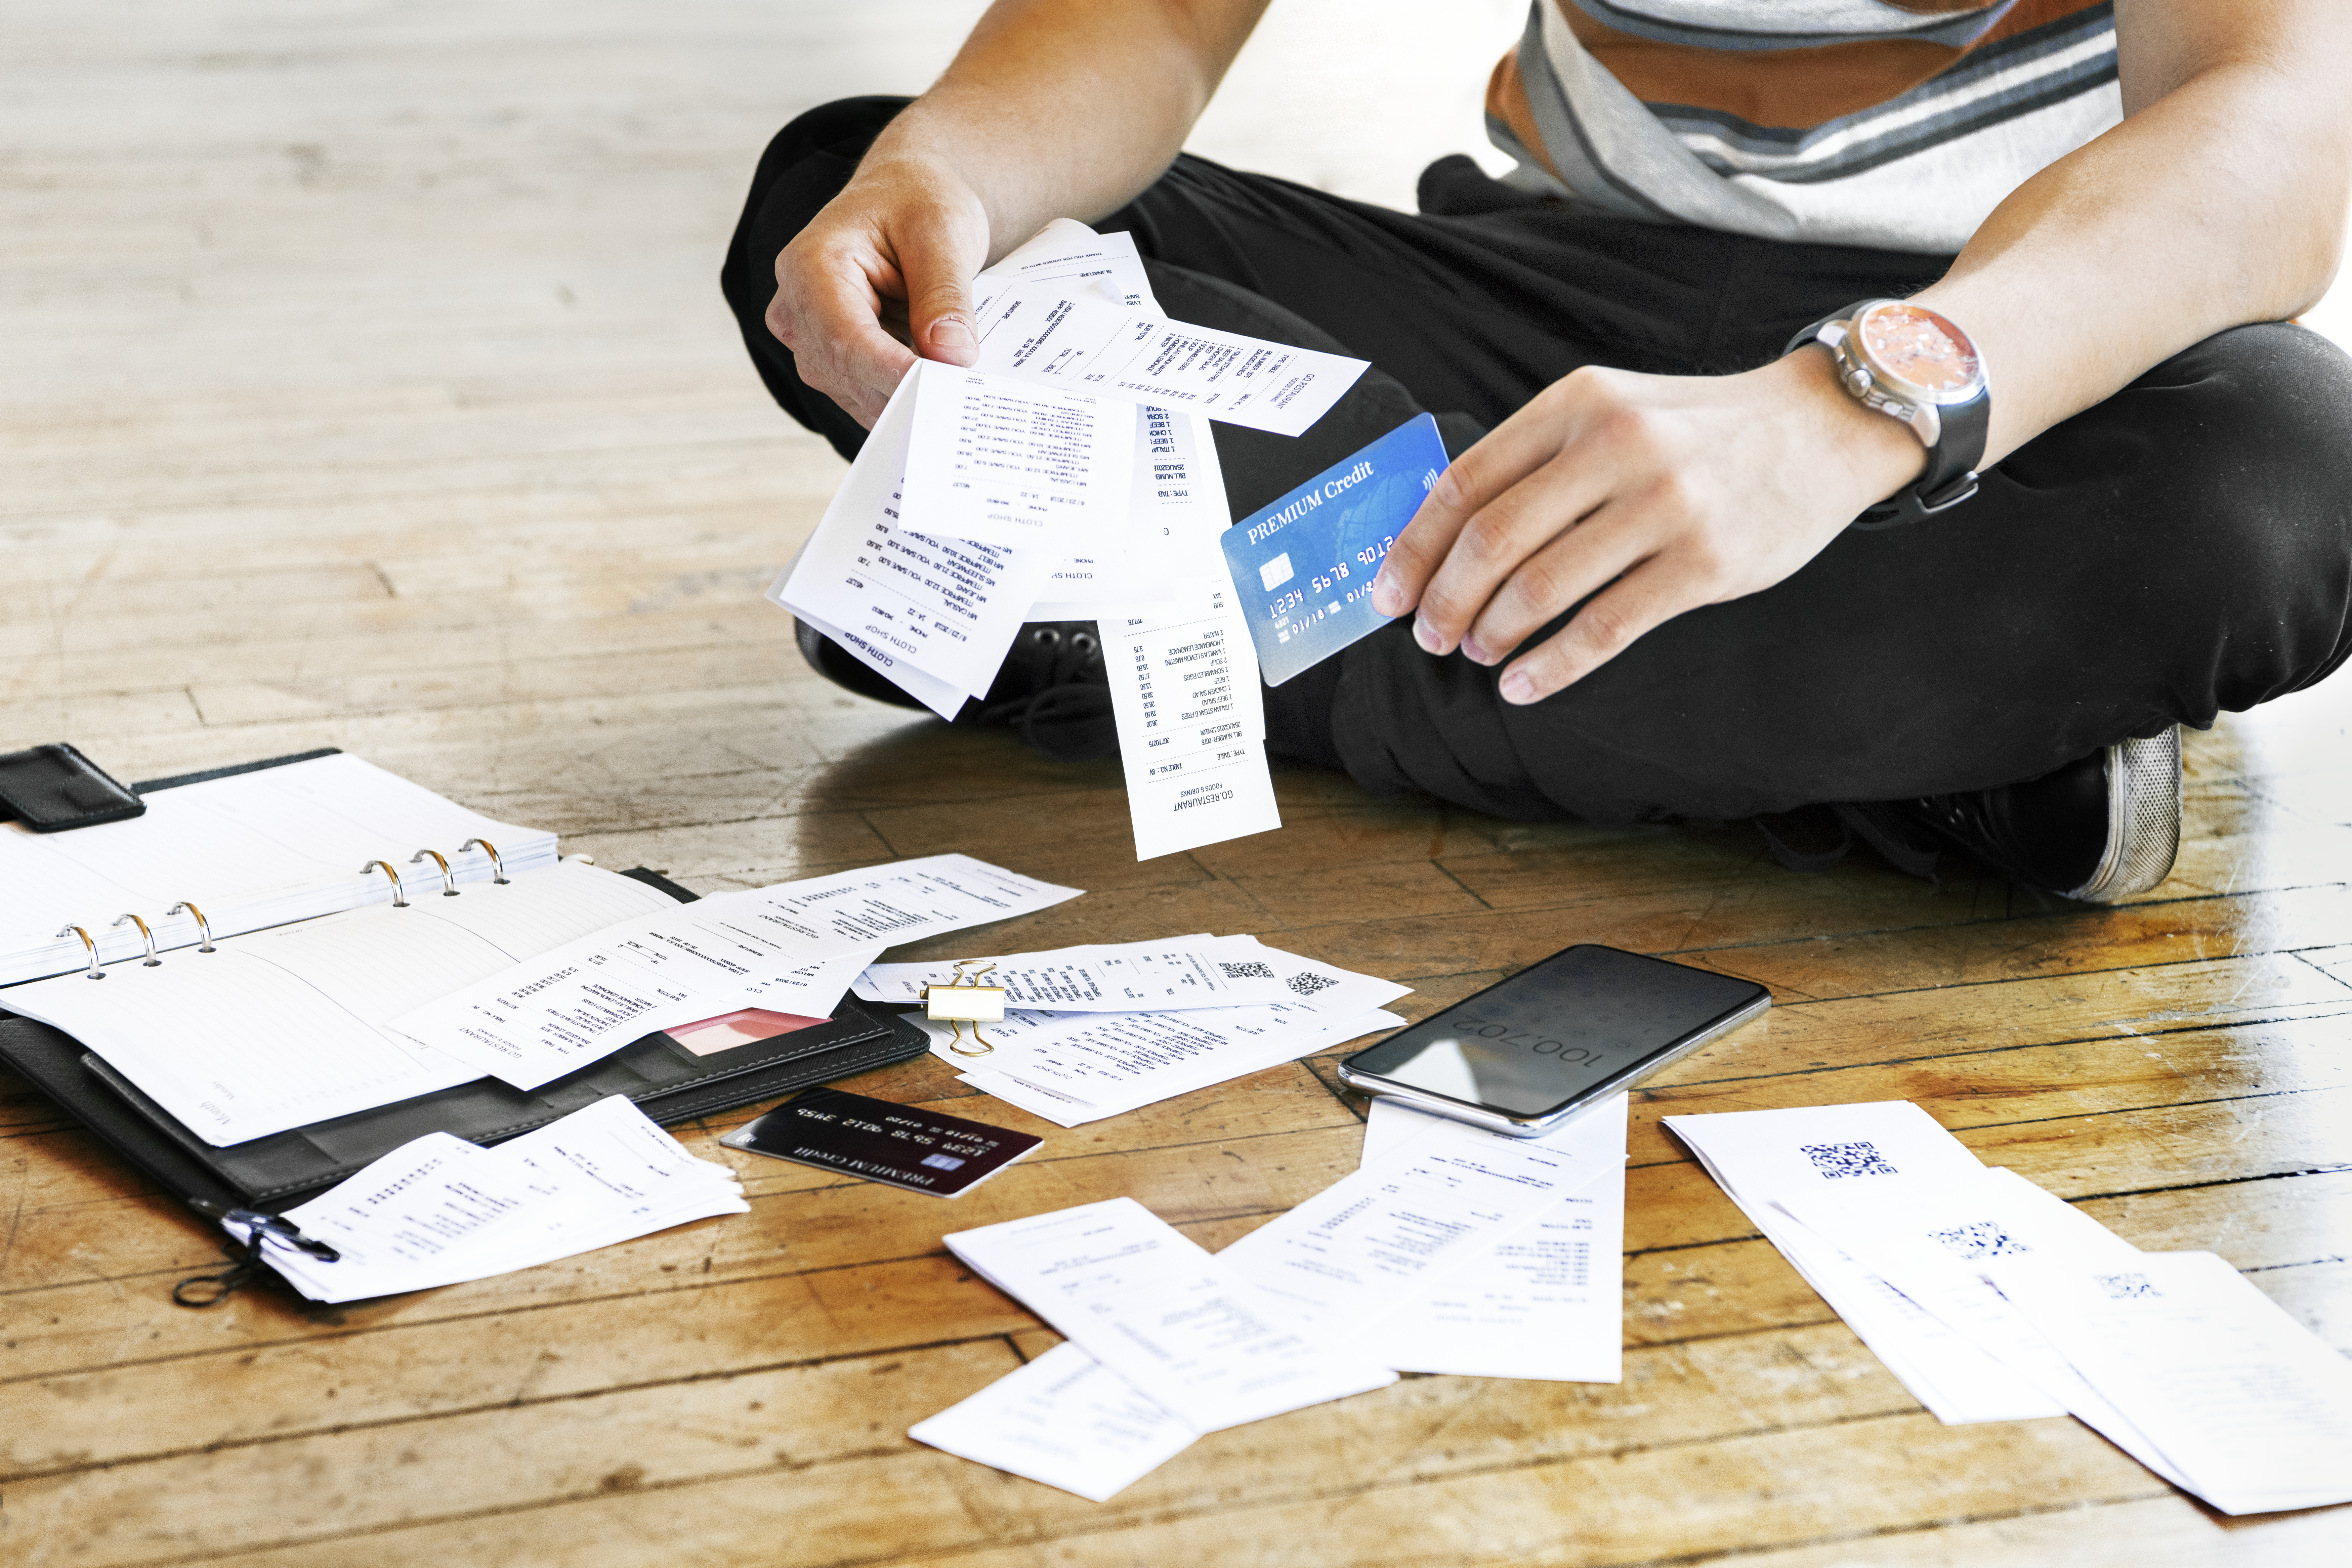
(1916, 503)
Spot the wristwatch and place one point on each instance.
(1912, 364)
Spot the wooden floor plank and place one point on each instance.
(1678, 1290)
(2153, 1532)
(781, 1424)
(1730, 1493)
(2060, 1115)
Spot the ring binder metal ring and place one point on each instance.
(399, 888)
(498, 865)
(91, 947)
(448, 878)
(151, 961)
(203, 924)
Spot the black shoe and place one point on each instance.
(1052, 689)
(2103, 827)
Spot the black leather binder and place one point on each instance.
(667, 1081)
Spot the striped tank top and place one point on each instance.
(1894, 123)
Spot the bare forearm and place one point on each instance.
(1069, 108)
(2220, 200)
(1053, 109)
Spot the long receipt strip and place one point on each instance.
(1192, 723)
(1931, 1246)
(993, 460)
(934, 615)
(1758, 1156)
(1176, 495)
(1166, 1341)
(1070, 474)
(1078, 339)
(1064, 1420)
(936, 610)
(2175, 1357)
(1175, 1321)
(1545, 1301)
(2254, 1408)
(1176, 498)
(1106, 1028)
(1167, 548)
(2049, 1291)
(1076, 1067)
(1121, 977)
(1363, 1247)
(794, 947)
(440, 1210)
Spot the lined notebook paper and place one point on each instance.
(285, 1027)
(252, 850)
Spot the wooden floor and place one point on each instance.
(364, 383)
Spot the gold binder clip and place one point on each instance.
(965, 1000)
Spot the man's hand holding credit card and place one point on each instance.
(1303, 567)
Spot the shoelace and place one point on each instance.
(1065, 709)
(1816, 837)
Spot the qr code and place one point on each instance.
(1835, 1159)
(1982, 1239)
(1307, 984)
(1254, 970)
(2126, 1287)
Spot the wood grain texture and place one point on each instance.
(365, 385)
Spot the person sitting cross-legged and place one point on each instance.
(1878, 418)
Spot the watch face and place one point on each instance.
(1912, 345)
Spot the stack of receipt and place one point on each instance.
(1993, 1300)
(792, 948)
(1069, 474)
(1108, 1028)
(1440, 1253)
(440, 1210)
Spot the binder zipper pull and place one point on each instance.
(244, 1261)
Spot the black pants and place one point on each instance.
(2184, 547)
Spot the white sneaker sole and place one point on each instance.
(2142, 819)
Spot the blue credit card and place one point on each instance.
(1303, 567)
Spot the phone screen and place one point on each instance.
(1538, 1040)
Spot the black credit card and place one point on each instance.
(896, 1144)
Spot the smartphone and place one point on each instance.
(1522, 1056)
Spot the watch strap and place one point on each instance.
(1950, 476)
